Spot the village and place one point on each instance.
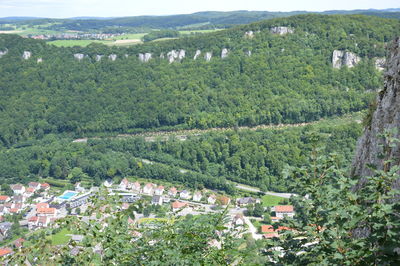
(37, 206)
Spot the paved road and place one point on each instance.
(257, 190)
(252, 229)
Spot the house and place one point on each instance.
(3, 210)
(43, 221)
(172, 192)
(238, 220)
(148, 189)
(32, 222)
(18, 199)
(211, 199)
(79, 201)
(129, 197)
(42, 205)
(18, 189)
(166, 199)
(197, 196)
(283, 210)
(270, 232)
(4, 199)
(4, 228)
(108, 183)
(178, 205)
(29, 192)
(136, 186)
(49, 212)
(275, 219)
(125, 206)
(45, 186)
(185, 195)
(34, 185)
(246, 201)
(224, 200)
(159, 190)
(19, 243)
(124, 185)
(157, 200)
(5, 252)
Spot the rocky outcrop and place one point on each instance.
(126, 55)
(144, 58)
(197, 54)
(39, 60)
(380, 64)
(98, 57)
(182, 54)
(344, 58)
(208, 56)
(79, 56)
(112, 57)
(281, 30)
(172, 56)
(3, 52)
(249, 34)
(248, 53)
(224, 53)
(162, 56)
(385, 117)
(26, 55)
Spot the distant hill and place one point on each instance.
(199, 20)
(264, 79)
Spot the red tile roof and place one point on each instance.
(33, 219)
(30, 189)
(46, 210)
(42, 205)
(224, 200)
(5, 251)
(4, 198)
(270, 228)
(44, 185)
(178, 204)
(284, 208)
(14, 210)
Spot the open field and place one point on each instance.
(61, 237)
(270, 200)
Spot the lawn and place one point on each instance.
(269, 200)
(61, 237)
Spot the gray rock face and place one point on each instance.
(342, 58)
(249, 34)
(126, 55)
(182, 54)
(39, 60)
(197, 54)
(224, 53)
(281, 30)
(112, 57)
(248, 53)
(385, 117)
(79, 56)
(3, 52)
(162, 56)
(98, 57)
(380, 63)
(26, 55)
(172, 56)
(208, 56)
(144, 58)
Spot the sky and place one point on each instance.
(119, 8)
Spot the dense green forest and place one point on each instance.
(252, 157)
(287, 79)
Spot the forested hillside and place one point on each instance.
(287, 79)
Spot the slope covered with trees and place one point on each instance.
(287, 79)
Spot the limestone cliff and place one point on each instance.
(342, 58)
(386, 116)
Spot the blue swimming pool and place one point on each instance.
(67, 195)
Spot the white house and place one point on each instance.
(148, 189)
(18, 189)
(124, 185)
(136, 186)
(212, 199)
(185, 194)
(3, 210)
(34, 185)
(159, 190)
(197, 196)
(238, 220)
(283, 210)
(172, 192)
